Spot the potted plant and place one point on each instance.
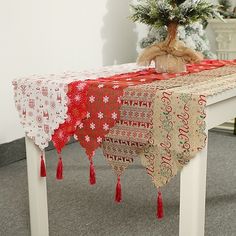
(171, 55)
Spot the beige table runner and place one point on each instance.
(163, 123)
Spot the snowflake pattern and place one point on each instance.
(119, 100)
(105, 126)
(88, 115)
(114, 115)
(92, 126)
(99, 139)
(87, 138)
(100, 115)
(81, 125)
(105, 99)
(91, 99)
(77, 98)
(115, 86)
(81, 86)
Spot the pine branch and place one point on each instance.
(158, 13)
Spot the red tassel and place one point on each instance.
(59, 169)
(42, 168)
(160, 212)
(92, 173)
(118, 196)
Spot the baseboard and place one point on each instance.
(15, 151)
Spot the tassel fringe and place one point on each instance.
(118, 196)
(160, 212)
(42, 168)
(59, 169)
(92, 173)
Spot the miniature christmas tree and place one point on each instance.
(171, 55)
(194, 36)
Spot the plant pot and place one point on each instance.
(170, 64)
(171, 55)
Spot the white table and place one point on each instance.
(220, 108)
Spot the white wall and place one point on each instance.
(44, 36)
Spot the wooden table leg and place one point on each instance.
(192, 196)
(37, 191)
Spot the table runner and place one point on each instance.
(179, 111)
(152, 116)
(103, 106)
(42, 101)
(167, 102)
